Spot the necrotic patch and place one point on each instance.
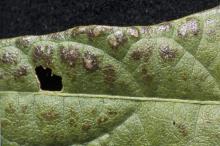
(43, 52)
(141, 52)
(90, 61)
(167, 53)
(190, 27)
(116, 39)
(133, 31)
(109, 74)
(9, 57)
(164, 27)
(69, 55)
(21, 71)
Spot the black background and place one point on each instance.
(22, 17)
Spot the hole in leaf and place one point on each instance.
(48, 81)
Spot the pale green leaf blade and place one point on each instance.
(50, 118)
(109, 76)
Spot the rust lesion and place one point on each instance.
(167, 53)
(69, 55)
(5, 122)
(184, 76)
(109, 74)
(91, 31)
(9, 58)
(136, 55)
(141, 53)
(86, 126)
(72, 122)
(117, 39)
(102, 119)
(56, 36)
(24, 109)
(146, 76)
(181, 128)
(190, 27)
(164, 27)
(78, 30)
(111, 112)
(49, 115)
(72, 117)
(25, 42)
(96, 31)
(90, 61)
(10, 108)
(133, 31)
(21, 71)
(43, 52)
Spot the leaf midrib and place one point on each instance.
(115, 97)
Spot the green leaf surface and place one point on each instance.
(143, 85)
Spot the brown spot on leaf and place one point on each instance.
(90, 32)
(109, 74)
(73, 117)
(94, 111)
(38, 51)
(101, 120)
(21, 71)
(111, 112)
(24, 108)
(9, 58)
(190, 27)
(79, 30)
(43, 52)
(86, 126)
(72, 122)
(99, 30)
(144, 30)
(10, 108)
(136, 55)
(96, 31)
(56, 36)
(211, 32)
(145, 75)
(165, 27)
(133, 31)
(69, 55)
(182, 129)
(72, 112)
(49, 115)
(184, 76)
(167, 53)
(210, 22)
(116, 39)
(140, 53)
(211, 27)
(24, 42)
(4, 122)
(90, 61)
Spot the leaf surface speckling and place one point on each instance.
(140, 86)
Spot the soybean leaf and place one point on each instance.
(140, 85)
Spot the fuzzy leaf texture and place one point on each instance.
(122, 86)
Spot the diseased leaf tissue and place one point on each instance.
(138, 86)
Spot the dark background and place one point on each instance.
(23, 17)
